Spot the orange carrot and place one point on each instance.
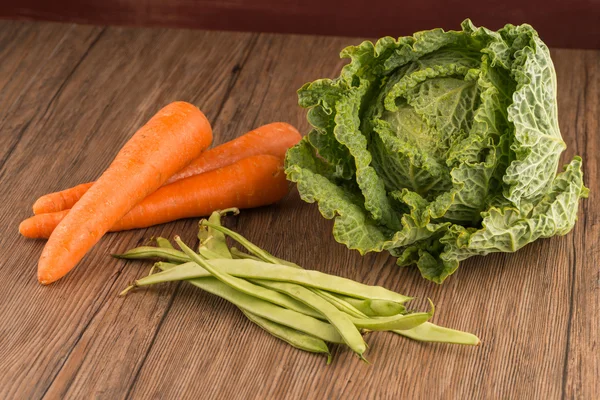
(41, 226)
(62, 200)
(175, 136)
(274, 139)
(252, 182)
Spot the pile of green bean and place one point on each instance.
(305, 308)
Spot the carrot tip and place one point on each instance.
(44, 281)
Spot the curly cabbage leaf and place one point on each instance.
(438, 147)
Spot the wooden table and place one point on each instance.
(70, 96)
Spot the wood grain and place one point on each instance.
(72, 98)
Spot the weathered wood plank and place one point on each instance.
(536, 311)
(581, 108)
(24, 77)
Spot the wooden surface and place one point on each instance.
(70, 97)
(572, 23)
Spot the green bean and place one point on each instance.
(338, 319)
(164, 243)
(213, 239)
(144, 252)
(339, 303)
(208, 254)
(374, 307)
(312, 278)
(299, 340)
(264, 255)
(241, 255)
(251, 247)
(157, 265)
(163, 266)
(397, 322)
(237, 254)
(246, 287)
(428, 332)
(173, 272)
(265, 309)
(270, 311)
(359, 308)
(259, 270)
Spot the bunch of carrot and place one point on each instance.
(163, 173)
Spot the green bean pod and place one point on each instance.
(428, 332)
(374, 307)
(293, 337)
(251, 247)
(164, 243)
(239, 255)
(312, 278)
(213, 239)
(145, 252)
(373, 313)
(338, 319)
(246, 287)
(270, 311)
(259, 270)
(339, 304)
(397, 322)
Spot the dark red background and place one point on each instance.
(561, 23)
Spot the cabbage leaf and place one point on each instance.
(438, 147)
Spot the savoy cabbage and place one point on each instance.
(438, 147)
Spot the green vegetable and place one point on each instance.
(164, 243)
(396, 322)
(302, 307)
(213, 240)
(296, 338)
(428, 332)
(340, 320)
(270, 311)
(144, 252)
(439, 147)
(273, 272)
(241, 285)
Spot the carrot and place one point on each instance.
(252, 182)
(175, 136)
(274, 139)
(62, 200)
(41, 225)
